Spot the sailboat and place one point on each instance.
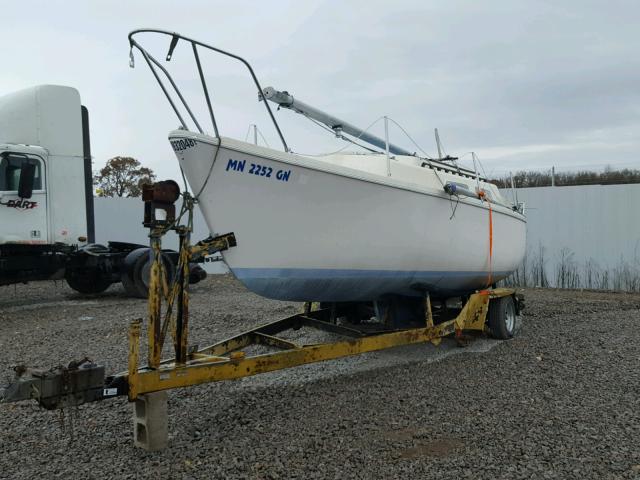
(341, 227)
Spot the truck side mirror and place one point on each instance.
(27, 179)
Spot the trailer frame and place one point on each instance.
(226, 359)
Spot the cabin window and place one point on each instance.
(10, 165)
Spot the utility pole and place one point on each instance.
(553, 176)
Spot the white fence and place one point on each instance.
(582, 237)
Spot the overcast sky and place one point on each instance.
(524, 84)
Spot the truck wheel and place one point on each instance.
(142, 272)
(196, 273)
(127, 277)
(502, 318)
(88, 281)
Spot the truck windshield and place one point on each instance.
(10, 166)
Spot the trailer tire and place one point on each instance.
(87, 281)
(502, 319)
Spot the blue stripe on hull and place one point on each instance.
(338, 285)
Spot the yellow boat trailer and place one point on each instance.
(146, 384)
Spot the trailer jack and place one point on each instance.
(146, 385)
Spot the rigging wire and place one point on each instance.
(426, 155)
(246, 137)
(427, 158)
(474, 154)
(458, 161)
(346, 139)
(481, 165)
(262, 137)
(338, 135)
(184, 179)
(454, 207)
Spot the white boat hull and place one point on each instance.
(308, 231)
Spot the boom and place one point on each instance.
(285, 100)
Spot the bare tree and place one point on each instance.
(122, 177)
(526, 179)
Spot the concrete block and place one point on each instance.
(150, 421)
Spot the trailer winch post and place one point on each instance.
(150, 410)
(150, 406)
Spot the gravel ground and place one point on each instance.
(559, 401)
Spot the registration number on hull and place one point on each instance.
(257, 169)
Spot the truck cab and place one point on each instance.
(46, 200)
(44, 133)
(23, 195)
(46, 192)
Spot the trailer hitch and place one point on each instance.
(61, 387)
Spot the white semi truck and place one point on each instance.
(46, 199)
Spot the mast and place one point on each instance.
(439, 145)
(285, 100)
(440, 150)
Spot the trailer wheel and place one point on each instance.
(502, 318)
(87, 281)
